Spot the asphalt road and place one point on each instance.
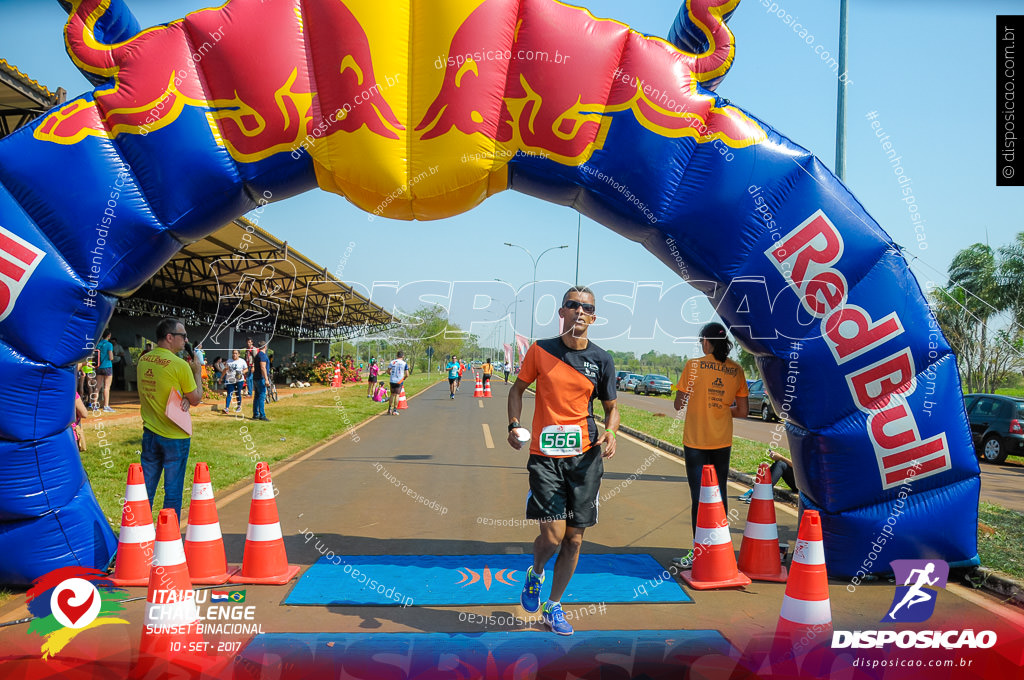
(1001, 485)
(453, 452)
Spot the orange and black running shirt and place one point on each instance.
(713, 386)
(568, 381)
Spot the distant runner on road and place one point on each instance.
(566, 463)
(488, 371)
(399, 371)
(453, 374)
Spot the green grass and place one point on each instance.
(746, 454)
(1004, 549)
(297, 423)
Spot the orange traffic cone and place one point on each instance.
(264, 560)
(401, 401)
(714, 563)
(478, 391)
(337, 376)
(806, 611)
(487, 389)
(204, 544)
(135, 542)
(759, 552)
(172, 616)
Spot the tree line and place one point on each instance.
(980, 311)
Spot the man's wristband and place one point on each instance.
(611, 432)
(513, 425)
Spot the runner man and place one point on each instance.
(565, 463)
(399, 371)
(453, 374)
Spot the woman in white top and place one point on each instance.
(234, 378)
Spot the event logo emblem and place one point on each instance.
(914, 601)
(469, 577)
(70, 600)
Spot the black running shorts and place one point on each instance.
(565, 488)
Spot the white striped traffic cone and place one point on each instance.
(135, 541)
(204, 543)
(759, 552)
(714, 562)
(265, 560)
(806, 610)
(172, 616)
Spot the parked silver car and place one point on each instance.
(653, 384)
(630, 382)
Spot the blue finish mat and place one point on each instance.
(651, 654)
(447, 580)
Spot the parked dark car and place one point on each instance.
(653, 384)
(758, 402)
(619, 377)
(997, 425)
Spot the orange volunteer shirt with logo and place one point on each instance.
(713, 386)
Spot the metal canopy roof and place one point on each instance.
(22, 99)
(243, 276)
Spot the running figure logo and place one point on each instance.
(914, 601)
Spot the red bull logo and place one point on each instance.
(559, 98)
(205, 61)
(545, 84)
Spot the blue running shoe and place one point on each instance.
(530, 598)
(555, 619)
(746, 495)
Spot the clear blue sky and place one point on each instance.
(926, 69)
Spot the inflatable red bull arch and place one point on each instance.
(421, 109)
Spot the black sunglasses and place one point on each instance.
(184, 335)
(574, 304)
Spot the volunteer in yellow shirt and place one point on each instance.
(165, 445)
(707, 389)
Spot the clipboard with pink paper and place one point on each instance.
(182, 419)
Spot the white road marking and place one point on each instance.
(487, 436)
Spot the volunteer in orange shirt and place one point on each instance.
(707, 389)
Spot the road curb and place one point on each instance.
(781, 495)
(980, 578)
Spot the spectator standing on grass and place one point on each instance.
(218, 372)
(398, 371)
(104, 370)
(165, 445)
(118, 362)
(707, 389)
(372, 377)
(250, 362)
(259, 382)
(234, 379)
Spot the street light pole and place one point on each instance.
(515, 317)
(536, 261)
